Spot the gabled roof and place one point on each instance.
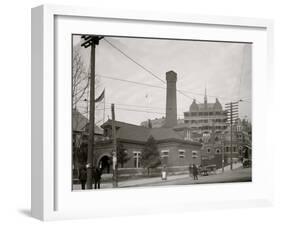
(163, 134)
(207, 106)
(128, 131)
(80, 122)
(133, 132)
(137, 133)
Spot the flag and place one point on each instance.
(100, 98)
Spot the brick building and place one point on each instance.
(217, 145)
(175, 152)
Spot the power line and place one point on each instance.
(142, 106)
(130, 58)
(139, 106)
(144, 84)
(157, 77)
(133, 110)
(137, 110)
(133, 82)
(143, 67)
(159, 87)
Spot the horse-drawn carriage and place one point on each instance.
(206, 170)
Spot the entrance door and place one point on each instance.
(105, 164)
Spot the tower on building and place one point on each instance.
(171, 99)
(205, 99)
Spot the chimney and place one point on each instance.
(171, 99)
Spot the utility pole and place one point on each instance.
(222, 153)
(232, 116)
(114, 149)
(91, 41)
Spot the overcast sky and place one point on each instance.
(224, 69)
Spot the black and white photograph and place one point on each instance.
(160, 112)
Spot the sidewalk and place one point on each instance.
(154, 180)
(144, 181)
(137, 182)
(227, 168)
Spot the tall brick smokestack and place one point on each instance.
(171, 99)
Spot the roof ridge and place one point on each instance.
(116, 121)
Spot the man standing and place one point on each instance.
(97, 177)
(195, 172)
(83, 177)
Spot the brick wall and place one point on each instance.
(176, 161)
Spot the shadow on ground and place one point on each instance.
(25, 212)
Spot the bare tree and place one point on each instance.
(80, 83)
(80, 79)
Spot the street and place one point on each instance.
(236, 175)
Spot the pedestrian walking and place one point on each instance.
(97, 177)
(164, 173)
(83, 177)
(195, 172)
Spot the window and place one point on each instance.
(234, 149)
(164, 153)
(218, 151)
(194, 154)
(181, 153)
(137, 155)
(164, 157)
(227, 149)
(208, 150)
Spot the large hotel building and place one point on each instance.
(205, 118)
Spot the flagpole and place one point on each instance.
(88, 97)
(103, 107)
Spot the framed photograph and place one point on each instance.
(137, 112)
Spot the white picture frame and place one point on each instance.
(52, 197)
